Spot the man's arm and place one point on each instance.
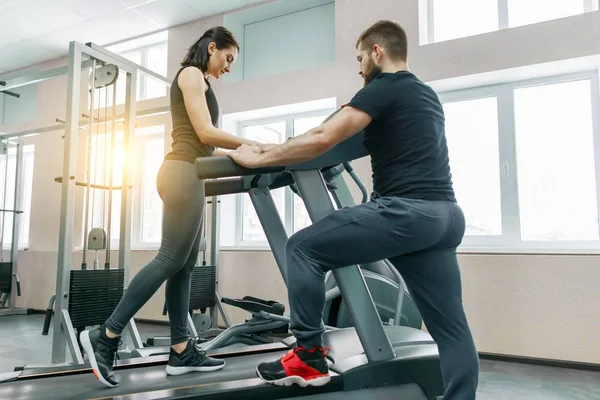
(346, 123)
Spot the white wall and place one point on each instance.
(308, 40)
(22, 109)
(521, 304)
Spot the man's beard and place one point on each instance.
(371, 72)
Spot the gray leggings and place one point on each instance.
(420, 239)
(183, 197)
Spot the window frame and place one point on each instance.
(27, 200)
(142, 78)
(137, 209)
(503, 20)
(288, 220)
(510, 239)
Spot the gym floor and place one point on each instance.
(21, 342)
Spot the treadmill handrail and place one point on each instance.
(225, 167)
(350, 149)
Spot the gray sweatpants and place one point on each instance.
(420, 239)
(183, 197)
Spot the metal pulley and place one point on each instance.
(97, 239)
(105, 76)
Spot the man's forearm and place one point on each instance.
(295, 150)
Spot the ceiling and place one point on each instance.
(33, 31)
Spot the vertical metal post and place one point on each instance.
(214, 231)
(5, 153)
(272, 225)
(352, 284)
(88, 168)
(17, 218)
(65, 235)
(126, 195)
(214, 255)
(107, 261)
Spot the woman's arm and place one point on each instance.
(192, 85)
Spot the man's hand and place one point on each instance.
(246, 155)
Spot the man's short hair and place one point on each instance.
(388, 34)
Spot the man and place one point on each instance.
(412, 219)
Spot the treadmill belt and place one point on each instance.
(133, 380)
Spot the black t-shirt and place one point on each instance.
(406, 138)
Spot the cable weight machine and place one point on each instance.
(93, 293)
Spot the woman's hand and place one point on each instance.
(246, 155)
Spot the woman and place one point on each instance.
(194, 111)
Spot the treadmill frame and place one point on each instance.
(359, 355)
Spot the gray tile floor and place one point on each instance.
(21, 342)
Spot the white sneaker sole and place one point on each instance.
(84, 337)
(184, 370)
(298, 380)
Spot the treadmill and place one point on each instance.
(366, 361)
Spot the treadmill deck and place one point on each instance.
(132, 380)
(414, 370)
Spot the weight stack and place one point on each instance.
(203, 287)
(5, 277)
(94, 294)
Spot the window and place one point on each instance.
(8, 201)
(453, 19)
(150, 207)
(148, 151)
(473, 124)
(153, 57)
(524, 158)
(450, 21)
(522, 12)
(151, 53)
(270, 132)
(555, 147)
(289, 205)
(301, 125)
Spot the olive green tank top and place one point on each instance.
(186, 144)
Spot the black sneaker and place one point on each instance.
(303, 367)
(101, 351)
(192, 359)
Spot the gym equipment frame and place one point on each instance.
(10, 284)
(83, 57)
(63, 332)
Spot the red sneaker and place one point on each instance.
(300, 366)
